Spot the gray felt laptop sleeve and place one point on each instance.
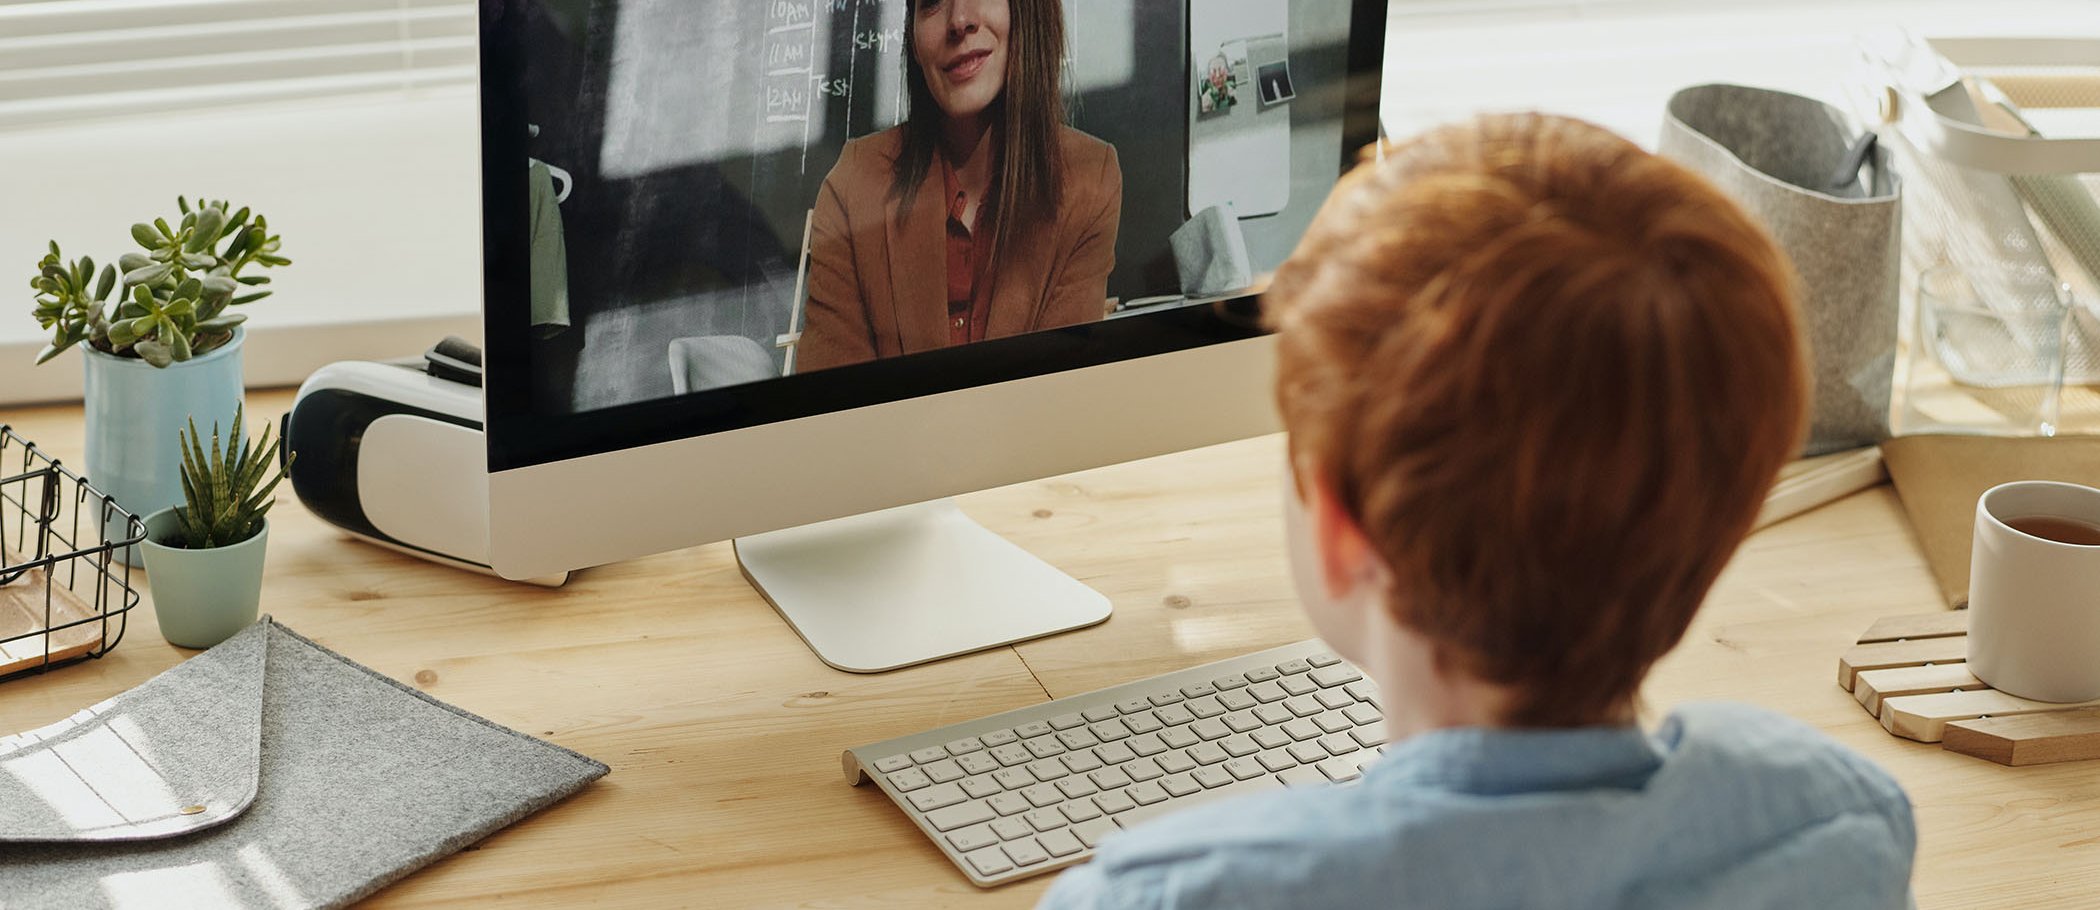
(265, 772)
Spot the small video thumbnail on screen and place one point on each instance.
(725, 191)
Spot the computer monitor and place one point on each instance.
(731, 292)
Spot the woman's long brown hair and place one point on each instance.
(1030, 112)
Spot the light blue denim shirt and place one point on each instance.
(1723, 806)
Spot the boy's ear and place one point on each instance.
(1348, 562)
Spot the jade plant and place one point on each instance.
(223, 491)
(166, 303)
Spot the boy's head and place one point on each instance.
(1540, 380)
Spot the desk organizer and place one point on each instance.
(1911, 673)
(64, 596)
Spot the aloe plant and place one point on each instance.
(223, 491)
(175, 293)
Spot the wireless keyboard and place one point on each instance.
(1022, 793)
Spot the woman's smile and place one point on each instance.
(965, 66)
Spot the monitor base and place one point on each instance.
(905, 586)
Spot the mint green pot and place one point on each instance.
(133, 413)
(202, 597)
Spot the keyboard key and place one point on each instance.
(1091, 832)
(1010, 828)
(1335, 698)
(1109, 730)
(1337, 744)
(1370, 735)
(1302, 705)
(1142, 769)
(1229, 682)
(1134, 706)
(1212, 777)
(1048, 769)
(1363, 691)
(1142, 723)
(1244, 768)
(1229, 790)
(1271, 738)
(1302, 776)
(1335, 676)
(1205, 707)
(1113, 753)
(1164, 699)
(1210, 728)
(1308, 752)
(1099, 713)
(1175, 762)
(1289, 667)
(1076, 787)
(1146, 794)
(1066, 721)
(1323, 659)
(1302, 729)
(1267, 692)
(1242, 721)
(989, 861)
(893, 763)
(1261, 674)
(1273, 714)
(929, 755)
(1276, 760)
(943, 771)
(1081, 761)
(1298, 685)
(1080, 810)
(1078, 739)
(1362, 713)
(1060, 843)
(1042, 795)
(1238, 744)
(910, 779)
(965, 746)
(1110, 779)
(1012, 754)
(959, 816)
(1015, 778)
(1333, 722)
(1173, 715)
(1178, 737)
(1239, 700)
(1179, 784)
(980, 786)
(973, 838)
(1339, 770)
(1198, 690)
(978, 763)
(1033, 729)
(1204, 754)
(1025, 852)
(1113, 803)
(1046, 746)
(1008, 804)
(998, 738)
(1045, 819)
(1147, 744)
(936, 796)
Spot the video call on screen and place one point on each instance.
(699, 219)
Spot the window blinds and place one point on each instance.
(71, 60)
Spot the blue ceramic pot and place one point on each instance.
(133, 414)
(202, 597)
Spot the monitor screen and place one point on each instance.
(725, 200)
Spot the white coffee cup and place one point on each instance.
(2034, 602)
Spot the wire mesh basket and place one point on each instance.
(64, 594)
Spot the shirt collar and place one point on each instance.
(1490, 762)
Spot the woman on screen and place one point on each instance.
(982, 215)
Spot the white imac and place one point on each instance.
(790, 274)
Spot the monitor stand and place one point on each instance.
(905, 586)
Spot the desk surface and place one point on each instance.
(724, 732)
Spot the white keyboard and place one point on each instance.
(1025, 792)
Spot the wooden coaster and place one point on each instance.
(22, 614)
(1912, 674)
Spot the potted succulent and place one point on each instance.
(204, 558)
(160, 339)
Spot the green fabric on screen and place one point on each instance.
(550, 257)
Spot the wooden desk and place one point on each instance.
(724, 732)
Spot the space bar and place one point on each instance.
(1144, 814)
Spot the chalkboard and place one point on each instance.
(698, 133)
